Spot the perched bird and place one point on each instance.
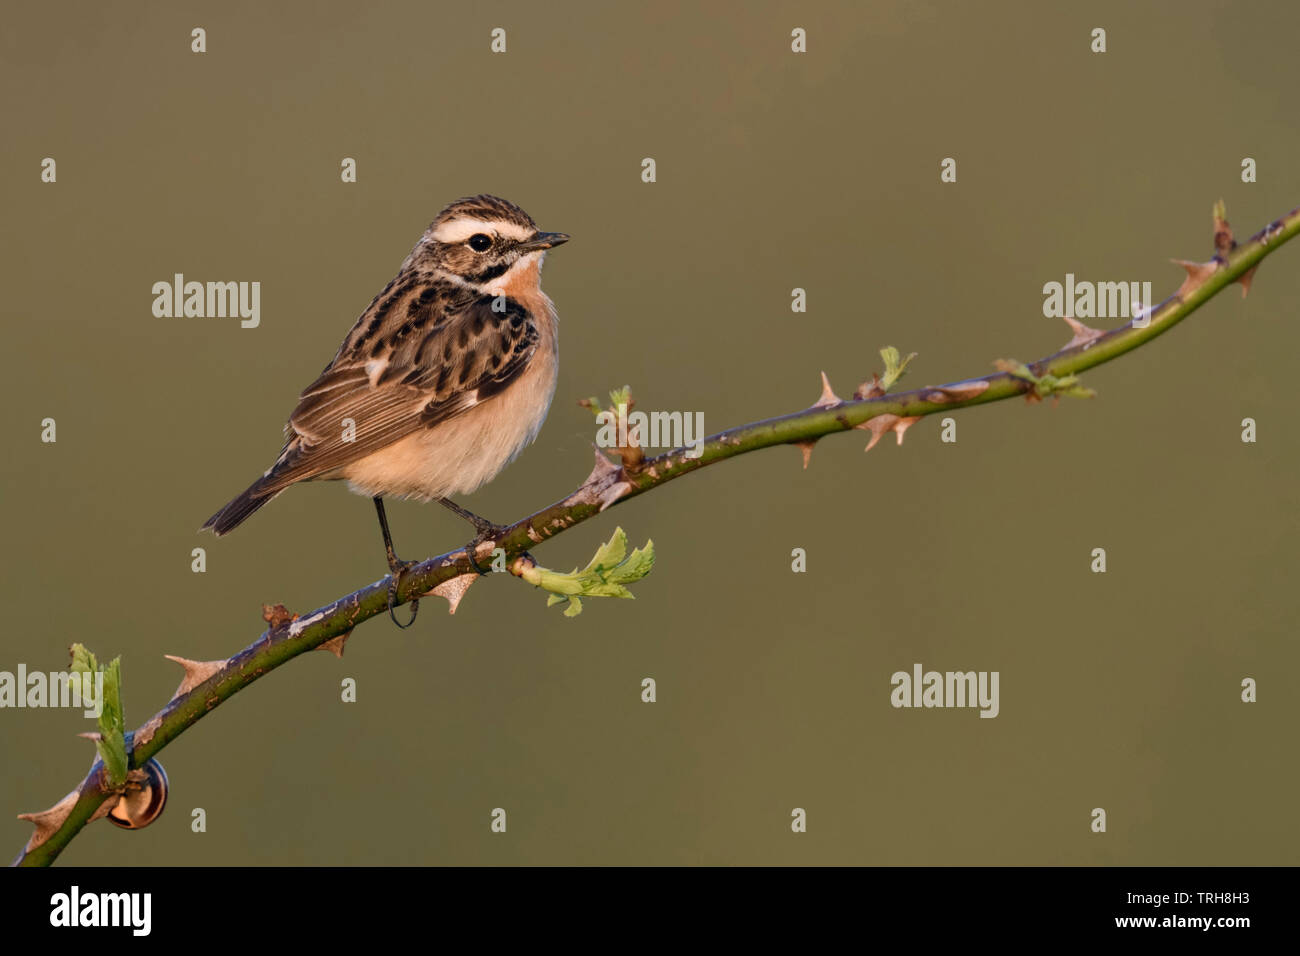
(443, 380)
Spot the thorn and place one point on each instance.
(942, 394)
(453, 589)
(1082, 333)
(604, 467)
(887, 423)
(1247, 278)
(196, 672)
(1197, 273)
(828, 397)
(613, 493)
(603, 475)
(47, 822)
(806, 447)
(335, 644)
(275, 615)
(92, 735)
(1224, 243)
(903, 425)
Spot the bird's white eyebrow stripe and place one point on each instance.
(462, 227)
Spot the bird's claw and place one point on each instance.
(397, 568)
(487, 531)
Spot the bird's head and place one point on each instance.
(481, 238)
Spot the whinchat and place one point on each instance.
(443, 380)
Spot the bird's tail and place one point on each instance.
(233, 514)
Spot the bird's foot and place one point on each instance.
(487, 531)
(397, 567)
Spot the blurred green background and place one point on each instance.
(775, 171)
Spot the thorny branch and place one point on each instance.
(872, 408)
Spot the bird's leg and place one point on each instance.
(395, 566)
(487, 531)
(485, 528)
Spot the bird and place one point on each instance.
(444, 379)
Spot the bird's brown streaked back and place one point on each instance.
(391, 386)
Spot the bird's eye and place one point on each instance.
(480, 242)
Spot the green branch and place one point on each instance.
(207, 685)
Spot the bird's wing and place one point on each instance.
(391, 379)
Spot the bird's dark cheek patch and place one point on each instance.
(487, 275)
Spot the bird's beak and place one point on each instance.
(543, 240)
